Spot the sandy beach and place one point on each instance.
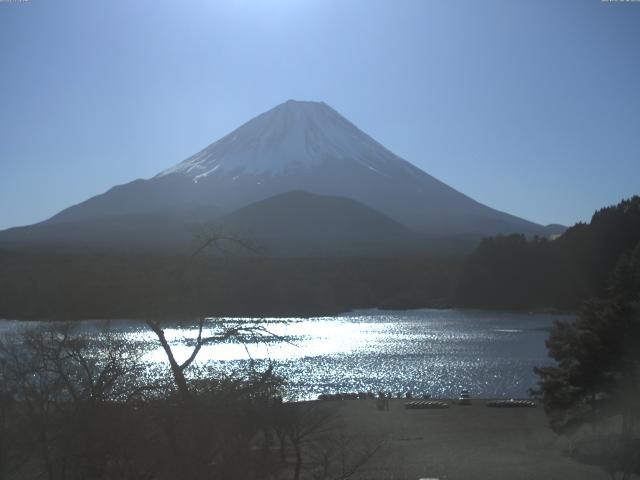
(461, 442)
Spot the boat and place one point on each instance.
(465, 398)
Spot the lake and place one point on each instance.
(438, 352)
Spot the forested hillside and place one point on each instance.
(79, 286)
(513, 272)
(504, 272)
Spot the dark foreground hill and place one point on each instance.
(301, 223)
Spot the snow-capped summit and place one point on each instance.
(294, 135)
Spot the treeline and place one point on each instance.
(504, 272)
(515, 273)
(81, 286)
(597, 356)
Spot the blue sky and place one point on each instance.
(531, 107)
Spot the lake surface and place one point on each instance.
(423, 351)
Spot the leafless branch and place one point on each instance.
(212, 238)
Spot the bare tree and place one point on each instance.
(320, 447)
(67, 392)
(220, 332)
(306, 422)
(210, 238)
(341, 457)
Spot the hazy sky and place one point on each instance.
(531, 107)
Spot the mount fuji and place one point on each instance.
(297, 146)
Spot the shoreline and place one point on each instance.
(461, 442)
(278, 316)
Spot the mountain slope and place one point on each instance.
(290, 224)
(309, 146)
(294, 146)
(170, 231)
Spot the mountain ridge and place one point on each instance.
(302, 146)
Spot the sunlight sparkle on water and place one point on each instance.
(423, 351)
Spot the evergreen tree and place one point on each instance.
(597, 357)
